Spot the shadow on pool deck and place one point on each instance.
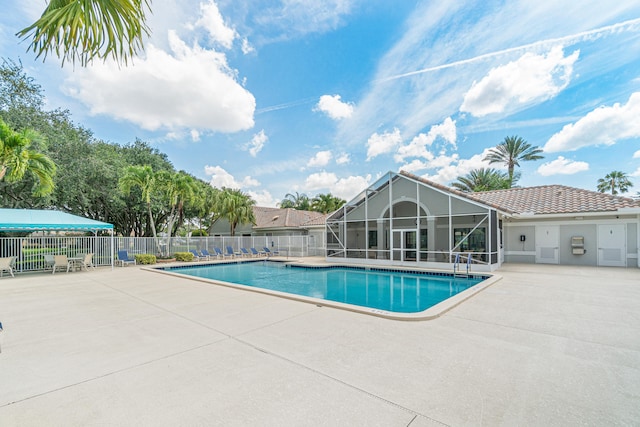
(546, 345)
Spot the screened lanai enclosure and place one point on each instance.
(403, 219)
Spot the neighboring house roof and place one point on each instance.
(542, 200)
(33, 219)
(286, 218)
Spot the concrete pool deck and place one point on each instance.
(546, 345)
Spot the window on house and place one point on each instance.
(474, 242)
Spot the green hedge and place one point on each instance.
(199, 232)
(184, 256)
(145, 259)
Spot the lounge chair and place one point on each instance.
(231, 253)
(270, 253)
(60, 262)
(205, 253)
(196, 255)
(245, 252)
(255, 252)
(219, 253)
(87, 262)
(7, 264)
(124, 258)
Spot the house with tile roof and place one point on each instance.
(404, 219)
(276, 222)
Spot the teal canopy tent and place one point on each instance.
(34, 220)
(31, 220)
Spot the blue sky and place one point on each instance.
(275, 97)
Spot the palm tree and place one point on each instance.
(615, 182)
(180, 188)
(16, 159)
(83, 30)
(326, 203)
(484, 180)
(511, 152)
(143, 178)
(297, 201)
(237, 208)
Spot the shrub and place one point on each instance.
(199, 232)
(184, 256)
(145, 259)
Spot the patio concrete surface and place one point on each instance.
(546, 345)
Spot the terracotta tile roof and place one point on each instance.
(554, 199)
(546, 199)
(281, 218)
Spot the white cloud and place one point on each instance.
(263, 198)
(345, 188)
(293, 18)
(212, 21)
(247, 48)
(343, 159)
(604, 125)
(256, 144)
(562, 166)
(192, 87)
(195, 135)
(636, 173)
(530, 79)
(321, 158)
(221, 178)
(636, 155)
(448, 167)
(381, 144)
(333, 107)
(418, 145)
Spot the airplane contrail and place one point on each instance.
(286, 105)
(626, 25)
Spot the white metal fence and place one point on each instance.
(30, 251)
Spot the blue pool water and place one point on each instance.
(393, 291)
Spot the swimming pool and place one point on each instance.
(374, 290)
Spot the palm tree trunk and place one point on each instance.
(153, 228)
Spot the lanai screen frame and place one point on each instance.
(355, 231)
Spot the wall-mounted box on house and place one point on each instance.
(577, 245)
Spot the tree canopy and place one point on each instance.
(324, 203)
(484, 179)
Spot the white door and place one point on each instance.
(612, 247)
(547, 238)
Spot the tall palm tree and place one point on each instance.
(614, 182)
(484, 180)
(17, 159)
(237, 208)
(511, 152)
(85, 29)
(326, 203)
(143, 178)
(180, 188)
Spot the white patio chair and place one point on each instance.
(61, 261)
(7, 264)
(87, 262)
